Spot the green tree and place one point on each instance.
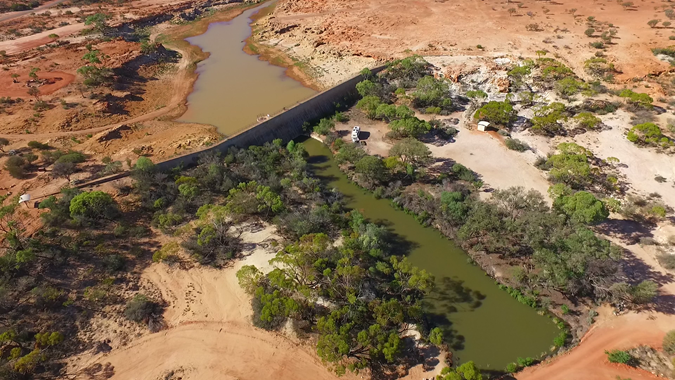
(410, 127)
(64, 170)
(570, 165)
(547, 119)
(499, 113)
(144, 164)
(582, 207)
(652, 23)
(368, 88)
(92, 206)
(431, 92)
(98, 20)
(372, 169)
(466, 371)
(249, 278)
(16, 166)
(369, 105)
(412, 152)
(324, 127)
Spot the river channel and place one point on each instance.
(235, 88)
(482, 322)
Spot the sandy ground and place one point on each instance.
(588, 361)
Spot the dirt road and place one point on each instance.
(13, 15)
(588, 361)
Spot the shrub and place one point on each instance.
(168, 252)
(324, 127)
(565, 309)
(500, 113)
(517, 145)
(669, 342)
(139, 309)
(560, 340)
(38, 145)
(511, 367)
(410, 127)
(637, 98)
(114, 262)
(648, 134)
(340, 117)
(618, 356)
(94, 205)
(667, 260)
(526, 362)
(16, 166)
(72, 157)
(587, 120)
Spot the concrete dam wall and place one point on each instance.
(286, 125)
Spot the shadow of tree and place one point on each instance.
(629, 231)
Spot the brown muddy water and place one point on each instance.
(482, 322)
(234, 88)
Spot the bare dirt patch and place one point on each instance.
(589, 361)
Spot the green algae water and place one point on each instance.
(481, 322)
(233, 88)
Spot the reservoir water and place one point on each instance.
(233, 87)
(482, 322)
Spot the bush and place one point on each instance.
(72, 157)
(669, 342)
(511, 368)
(324, 127)
(560, 340)
(618, 356)
(648, 134)
(94, 205)
(38, 145)
(517, 145)
(500, 113)
(139, 309)
(667, 260)
(114, 262)
(16, 166)
(587, 120)
(637, 98)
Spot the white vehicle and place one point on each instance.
(355, 133)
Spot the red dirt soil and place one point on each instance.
(588, 361)
(54, 80)
(394, 28)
